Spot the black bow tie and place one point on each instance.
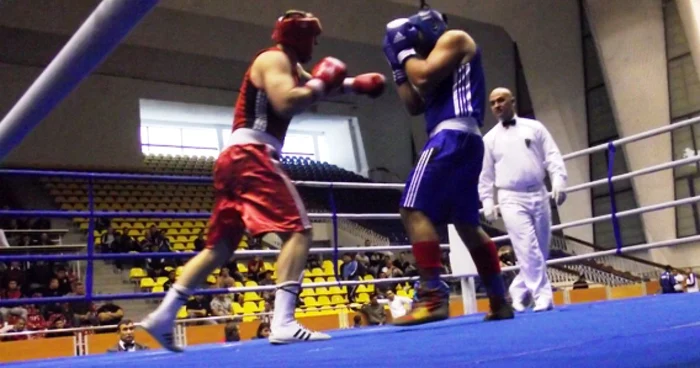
(508, 123)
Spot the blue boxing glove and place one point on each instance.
(402, 37)
(396, 67)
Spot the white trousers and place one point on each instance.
(528, 220)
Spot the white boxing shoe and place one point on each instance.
(518, 306)
(542, 305)
(161, 329)
(294, 332)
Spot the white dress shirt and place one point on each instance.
(516, 158)
(397, 306)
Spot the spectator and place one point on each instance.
(83, 312)
(220, 305)
(59, 323)
(18, 326)
(199, 243)
(172, 277)
(44, 240)
(54, 288)
(231, 332)
(680, 281)
(24, 241)
(64, 284)
(348, 272)
(398, 305)
(267, 309)
(107, 239)
(667, 281)
(156, 266)
(581, 283)
(12, 292)
(109, 314)
(39, 275)
(373, 311)
(126, 342)
(255, 266)
(198, 307)
(263, 331)
(267, 279)
(14, 272)
(224, 279)
(35, 319)
(357, 321)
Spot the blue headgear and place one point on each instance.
(431, 24)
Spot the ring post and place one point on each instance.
(90, 241)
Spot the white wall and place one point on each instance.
(629, 37)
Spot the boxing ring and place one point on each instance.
(620, 333)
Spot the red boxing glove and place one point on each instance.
(370, 84)
(327, 75)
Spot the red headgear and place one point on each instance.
(297, 30)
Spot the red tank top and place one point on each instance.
(254, 111)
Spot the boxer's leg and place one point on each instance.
(225, 232)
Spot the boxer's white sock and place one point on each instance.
(285, 303)
(175, 298)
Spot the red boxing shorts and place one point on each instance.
(253, 192)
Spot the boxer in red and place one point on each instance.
(251, 190)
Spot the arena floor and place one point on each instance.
(656, 331)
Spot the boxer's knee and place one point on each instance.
(418, 225)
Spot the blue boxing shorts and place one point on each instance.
(444, 183)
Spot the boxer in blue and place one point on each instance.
(438, 73)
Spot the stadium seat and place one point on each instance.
(161, 281)
(182, 313)
(236, 308)
(136, 273)
(362, 298)
(323, 300)
(306, 292)
(310, 301)
(337, 299)
(335, 290)
(250, 308)
(158, 289)
(251, 296)
(322, 291)
(146, 283)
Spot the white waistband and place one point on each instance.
(466, 124)
(247, 136)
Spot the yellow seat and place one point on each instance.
(178, 271)
(186, 231)
(362, 298)
(251, 283)
(269, 266)
(322, 291)
(331, 279)
(251, 296)
(146, 283)
(323, 300)
(402, 293)
(161, 281)
(237, 308)
(242, 268)
(211, 279)
(335, 290)
(311, 312)
(307, 281)
(158, 289)
(137, 273)
(179, 246)
(310, 301)
(182, 313)
(250, 308)
(317, 272)
(337, 299)
(306, 292)
(319, 279)
(327, 310)
(362, 289)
